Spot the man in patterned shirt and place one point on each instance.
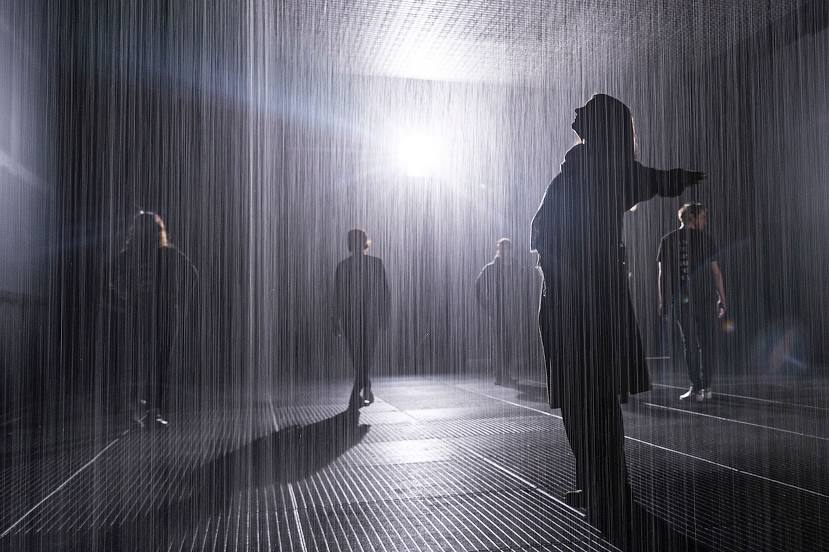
(689, 280)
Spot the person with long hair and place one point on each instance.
(593, 352)
(152, 284)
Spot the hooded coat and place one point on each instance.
(586, 317)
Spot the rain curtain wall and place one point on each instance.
(339, 139)
(26, 197)
(436, 232)
(153, 115)
(261, 153)
(792, 140)
(751, 118)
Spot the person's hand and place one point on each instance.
(721, 310)
(691, 178)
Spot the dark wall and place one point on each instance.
(26, 193)
(792, 171)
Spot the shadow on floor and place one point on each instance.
(288, 455)
(529, 392)
(285, 456)
(653, 534)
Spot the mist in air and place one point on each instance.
(200, 353)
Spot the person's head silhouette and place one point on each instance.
(693, 215)
(147, 232)
(358, 241)
(606, 126)
(503, 250)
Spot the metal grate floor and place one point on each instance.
(432, 465)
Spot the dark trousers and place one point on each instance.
(146, 355)
(361, 345)
(504, 344)
(692, 326)
(593, 422)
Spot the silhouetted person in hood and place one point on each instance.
(361, 309)
(591, 343)
(152, 286)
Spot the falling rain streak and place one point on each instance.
(390, 275)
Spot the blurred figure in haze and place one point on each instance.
(690, 277)
(361, 309)
(591, 342)
(152, 284)
(504, 290)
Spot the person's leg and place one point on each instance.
(570, 382)
(702, 332)
(369, 348)
(136, 347)
(500, 357)
(690, 344)
(161, 415)
(161, 383)
(352, 340)
(510, 351)
(608, 496)
(594, 425)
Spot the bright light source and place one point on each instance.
(419, 154)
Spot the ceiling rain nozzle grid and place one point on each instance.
(513, 40)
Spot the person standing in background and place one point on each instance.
(689, 280)
(152, 285)
(502, 290)
(362, 304)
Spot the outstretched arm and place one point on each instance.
(649, 182)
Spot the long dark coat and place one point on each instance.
(151, 298)
(586, 316)
(361, 295)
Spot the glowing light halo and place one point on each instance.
(419, 153)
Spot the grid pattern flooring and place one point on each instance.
(432, 465)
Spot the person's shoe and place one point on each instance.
(368, 397)
(692, 395)
(161, 421)
(707, 393)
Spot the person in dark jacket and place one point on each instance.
(152, 285)
(504, 290)
(361, 309)
(591, 343)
